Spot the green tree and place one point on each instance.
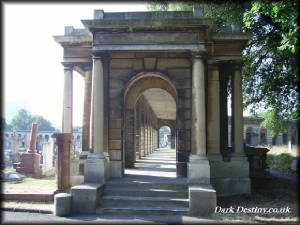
(274, 122)
(5, 125)
(271, 63)
(271, 60)
(24, 119)
(44, 125)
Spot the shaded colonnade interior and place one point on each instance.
(150, 103)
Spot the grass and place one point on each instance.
(277, 150)
(265, 193)
(281, 162)
(31, 185)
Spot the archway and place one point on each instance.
(164, 137)
(149, 98)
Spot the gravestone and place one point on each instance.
(15, 158)
(30, 160)
(47, 167)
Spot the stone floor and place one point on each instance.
(161, 163)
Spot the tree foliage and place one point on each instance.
(5, 125)
(24, 119)
(270, 70)
(271, 60)
(274, 122)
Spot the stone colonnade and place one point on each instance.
(144, 134)
(142, 125)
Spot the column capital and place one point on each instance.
(198, 54)
(88, 67)
(68, 66)
(99, 55)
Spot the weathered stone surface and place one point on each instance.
(203, 199)
(115, 154)
(179, 73)
(115, 114)
(121, 63)
(114, 144)
(164, 64)
(85, 197)
(115, 134)
(121, 74)
(62, 204)
(115, 123)
(150, 63)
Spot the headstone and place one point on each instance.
(47, 167)
(15, 142)
(294, 164)
(15, 158)
(30, 160)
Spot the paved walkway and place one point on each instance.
(161, 163)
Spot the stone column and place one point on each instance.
(95, 166)
(68, 99)
(198, 167)
(237, 111)
(146, 131)
(86, 120)
(142, 131)
(86, 110)
(213, 117)
(173, 138)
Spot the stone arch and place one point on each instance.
(143, 81)
(134, 89)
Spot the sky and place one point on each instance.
(33, 73)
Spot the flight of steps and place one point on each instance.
(149, 188)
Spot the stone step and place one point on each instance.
(158, 159)
(145, 184)
(145, 192)
(134, 201)
(143, 210)
(156, 162)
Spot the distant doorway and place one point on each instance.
(164, 137)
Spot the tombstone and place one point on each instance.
(15, 158)
(30, 160)
(47, 167)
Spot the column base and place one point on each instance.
(85, 197)
(203, 199)
(198, 170)
(96, 168)
(232, 177)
